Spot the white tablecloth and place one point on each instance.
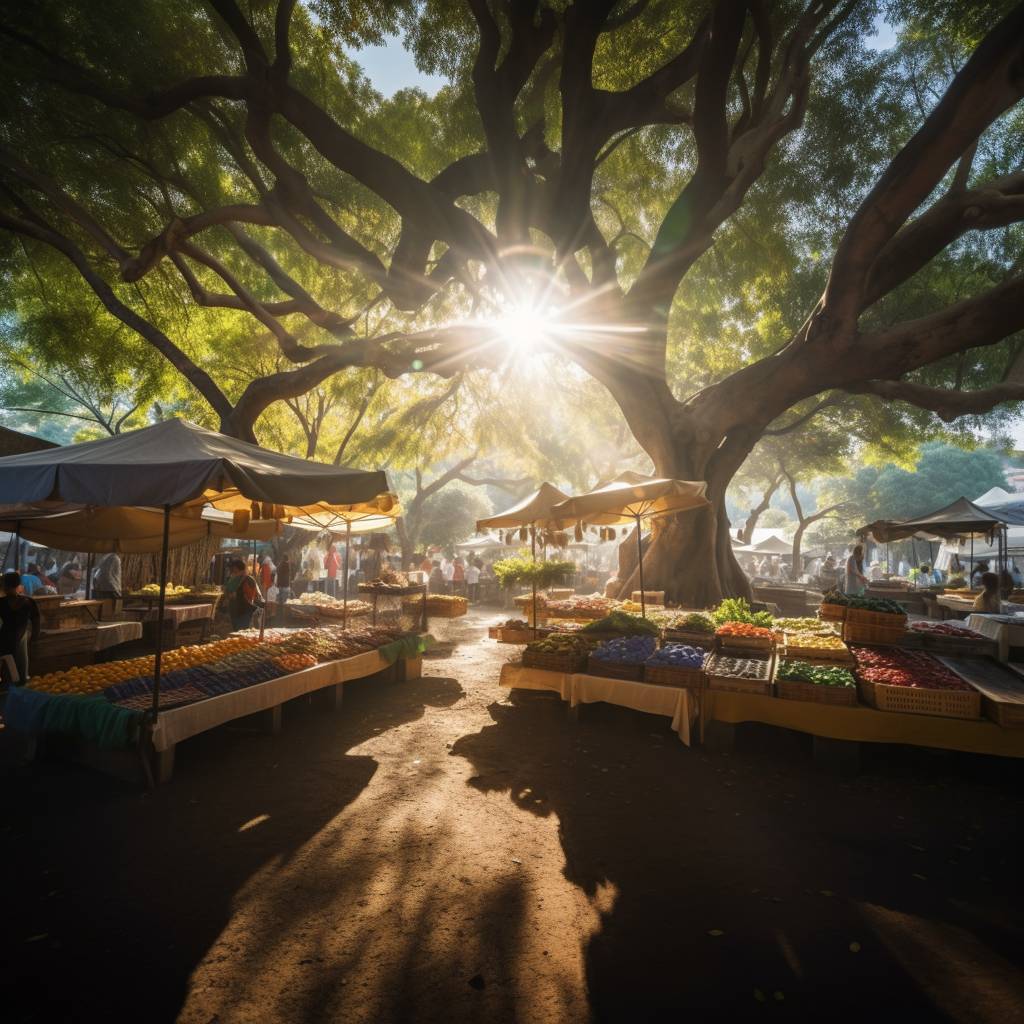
(579, 688)
(110, 634)
(178, 724)
(176, 613)
(1007, 634)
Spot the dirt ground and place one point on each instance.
(441, 851)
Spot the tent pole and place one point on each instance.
(89, 562)
(160, 608)
(17, 546)
(971, 578)
(344, 598)
(640, 567)
(533, 556)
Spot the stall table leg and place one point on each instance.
(163, 765)
(331, 696)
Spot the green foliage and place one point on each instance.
(623, 624)
(450, 516)
(520, 570)
(736, 609)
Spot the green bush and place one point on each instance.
(520, 570)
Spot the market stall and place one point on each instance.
(182, 469)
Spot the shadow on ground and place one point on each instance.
(741, 885)
(114, 896)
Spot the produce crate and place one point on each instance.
(514, 636)
(743, 644)
(494, 632)
(446, 610)
(878, 636)
(798, 689)
(735, 684)
(551, 662)
(615, 669)
(833, 612)
(794, 652)
(913, 701)
(675, 675)
(887, 620)
(708, 641)
(1001, 686)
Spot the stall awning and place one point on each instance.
(533, 510)
(961, 518)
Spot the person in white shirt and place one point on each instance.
(448, 571)
(472, 581)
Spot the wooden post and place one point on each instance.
(161, 607)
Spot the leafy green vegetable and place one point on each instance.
(511, 571)
(736, 609)
(622, 623)
(820, 675)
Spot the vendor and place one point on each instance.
(987, 602)
(856, 581)
(243, 595)
(19, 624)
(977, 576)
(69, 578)
(106, 581)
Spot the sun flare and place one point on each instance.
(524, 326)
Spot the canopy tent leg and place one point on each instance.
(640, 568)
(533, 556)
(344, 597)
(971, 578)
(161, 607)
(89, 563)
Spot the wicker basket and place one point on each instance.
(551, 662)
(674, 675)
(833, 612)
(914, 701)
(879, 636)
(706, 641)
(735, 684)
(743, 644)
(445, 610)
(615, 669)
(514, 636)
(798, 689)
(888, 620)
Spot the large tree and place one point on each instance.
(612, 166)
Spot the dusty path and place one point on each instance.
(437, 852)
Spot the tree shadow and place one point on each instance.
(114, 896)
(749, 883)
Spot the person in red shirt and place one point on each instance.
(332, 563)
(458, 577)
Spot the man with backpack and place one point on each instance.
(243, 595)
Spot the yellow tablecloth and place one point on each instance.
(861, 724)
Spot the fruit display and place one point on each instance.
(813, 645)
(295, 662)
(443, 605)
(805, 625)
(515, 624)
(736, 609)
(899, 667)
(579, 607)
(882, 605)
(623, 624)
(630, 607)
(678, 655)
(744, 631)
(153, 590)
(946, 629)
(820, 675)
(740, 668)
(626, 650)
(324, 602)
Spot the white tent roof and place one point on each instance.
(997, 496)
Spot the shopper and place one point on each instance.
(30, 581)
(267, 573)
(472, 581)
(107, 577)
(19, 624)
(856, 581)
(987, 602)
(332, 563)
(243, 594)
(458, 577)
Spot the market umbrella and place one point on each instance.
(631, 498)
(535, 510)
(771, 546)
(178, 465)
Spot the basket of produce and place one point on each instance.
(618, 623)
(621, 658)
(512, 631)
(751, 674)
(695, 628)
(318, 603)
(743, 636)
(945, 638)
(818, 627)
(814, 647)
(172, 593)
(559, 652)
(915, 683)
(868, 633)
(798, 680)
(676, 665)
(832, 612)
(445, 606)
(578, 608)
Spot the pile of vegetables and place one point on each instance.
(744, 629)
(626, 650)
(820, 675)
(678, 655)
(804, 625)
(868, 604)
(561, 643)
(946, 629)
(899, 667)
(736, 609)
(626, 625)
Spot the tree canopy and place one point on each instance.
(734, 216)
